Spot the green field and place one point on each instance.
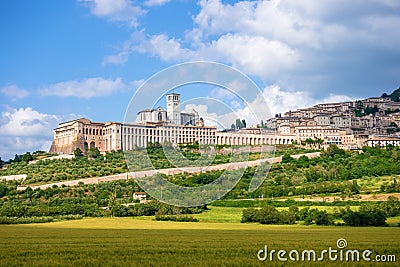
(145, 242)
(220, 214)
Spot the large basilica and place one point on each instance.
(152, 125)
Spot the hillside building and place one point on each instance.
(333, 123)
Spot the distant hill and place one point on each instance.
(395, 96)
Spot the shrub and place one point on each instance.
(287, 217)
(268, 215)
(323, 218)
(250, 215)
(3, 189)
(368, 215)
(176, 218)
(25, 220)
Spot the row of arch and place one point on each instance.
(244, 140)
(91, 131)
(130, 141)
(86, 145)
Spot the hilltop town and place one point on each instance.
(350, 125)
(370, 122)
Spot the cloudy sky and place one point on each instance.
(60, 60)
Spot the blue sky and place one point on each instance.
(61, 60)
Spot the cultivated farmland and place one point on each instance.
(144, 242)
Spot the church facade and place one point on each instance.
(172, 115)
(155, 125)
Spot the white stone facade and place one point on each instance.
(136, 135)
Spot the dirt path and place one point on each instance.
(369, 197)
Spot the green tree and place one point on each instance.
(323, 218)
(112, 199)
(295, 211)
(250, 215)
(287, 217)
(239, 124)
(78, 152)
(310, 141)
(16, 158)
(395, 96)
(355, 188)
(94, 153)
(367, 215)
(26, 157)
(3, 189)
(287, 158)
(268, 215)
(333, 150)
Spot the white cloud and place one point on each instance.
(18, 145)
(26, 129)
(276, 99)
(252, 54)
(87, 88)
(116, 10)
(305, 45)
(136, 84)
(332, 98)
(14, 92)
(308, 46)
(168, 49)
(222, 93)
(255, 54)
(301, 25)
(210, 118)
(257, 18)
(118, 59)
(27, 122)
(155, 2)
(281, 101)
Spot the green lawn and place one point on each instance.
(393, 221)
(221, 214)
(144, 242)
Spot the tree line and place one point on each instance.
(368, 214)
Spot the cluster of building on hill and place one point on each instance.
(335, 123)
(353, 124)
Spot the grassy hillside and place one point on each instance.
(46, 171)
(337, 175)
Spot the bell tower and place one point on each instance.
(174, 108)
